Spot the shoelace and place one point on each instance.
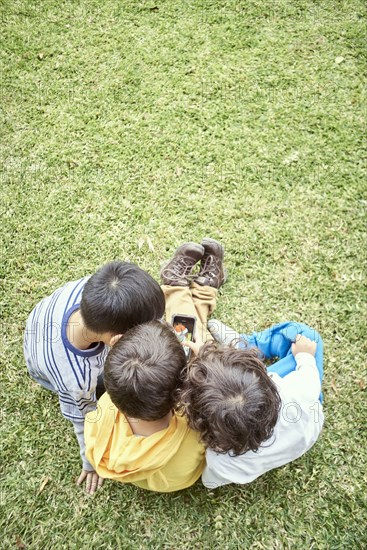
(210, 267)
(181, 268)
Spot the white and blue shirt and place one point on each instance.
(51, 358)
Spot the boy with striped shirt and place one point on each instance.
(68, 335)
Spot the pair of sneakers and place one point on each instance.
(178, 271)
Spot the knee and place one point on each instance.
(293, 328)
(312, 334)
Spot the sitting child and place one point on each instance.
(136, 436)
(252, 418)
(68, 333)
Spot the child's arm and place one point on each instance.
(274, 341)
(92, 479)
(303, 345)
(304, 381)
(79, 432)
(75, 412)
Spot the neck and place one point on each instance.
(148, 427)
(78, 334)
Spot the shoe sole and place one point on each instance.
(209, 241)
(196, 246)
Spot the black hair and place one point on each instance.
(144, 371)
(120, 296)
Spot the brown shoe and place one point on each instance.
(212, 271)
(178, 270)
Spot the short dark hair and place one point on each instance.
(230, 399)
(120, 296)
(144, 371)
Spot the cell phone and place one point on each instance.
(184, 327)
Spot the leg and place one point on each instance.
(277, 341)
(204, 299)
(205, 286)
(223, 333)
(179, 300)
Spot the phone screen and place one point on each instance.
(184, 327)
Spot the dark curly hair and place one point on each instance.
(230, 399)
(144, 371)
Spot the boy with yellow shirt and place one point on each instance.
(135, 435)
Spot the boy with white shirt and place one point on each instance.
(252, 418)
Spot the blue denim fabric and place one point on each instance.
(276, 341)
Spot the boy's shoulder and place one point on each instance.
(59, 301)
(108, 419)
(45, 338)
(71, 289)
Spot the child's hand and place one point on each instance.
(303, 345)
(194, 346)
(93, 481)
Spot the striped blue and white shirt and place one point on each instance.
(51, 358)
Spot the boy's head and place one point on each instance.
(144, 371)
(230, 399)
(120, 296)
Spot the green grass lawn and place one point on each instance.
(175, 120)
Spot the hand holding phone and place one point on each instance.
(184, 327)
(195, 347)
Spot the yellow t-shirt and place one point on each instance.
(165, 461)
